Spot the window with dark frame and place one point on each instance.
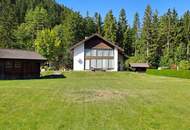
(99, 59)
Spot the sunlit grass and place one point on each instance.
(96, 101)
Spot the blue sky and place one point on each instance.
(131, 6)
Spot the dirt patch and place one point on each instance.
(97, 95)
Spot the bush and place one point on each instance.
(170, 73)
(184, 65)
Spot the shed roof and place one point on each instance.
(140, 65)
(20, 54)
(96, 35)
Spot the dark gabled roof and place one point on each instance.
(140, 65)
(20, 54)
(97, 35)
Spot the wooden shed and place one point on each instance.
(139, 67)
(20, 64)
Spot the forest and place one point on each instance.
(51, 29)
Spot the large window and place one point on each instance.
(99, 59)
(99, 52)
(99, 64)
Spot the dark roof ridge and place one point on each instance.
(98, 35)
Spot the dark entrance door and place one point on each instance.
(1, 70)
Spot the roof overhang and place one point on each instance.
(139, 65)
(97, 35)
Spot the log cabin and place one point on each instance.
(97, 53)
(20, 64)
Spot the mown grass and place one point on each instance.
(170, 73)
(96, 101)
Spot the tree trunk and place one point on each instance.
(147, 49)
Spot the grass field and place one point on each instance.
(170, 73)
(96, 101)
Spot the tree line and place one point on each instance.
(51, 29)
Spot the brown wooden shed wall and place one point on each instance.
(19, 69)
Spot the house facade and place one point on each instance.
(97, 53)
(19, 64)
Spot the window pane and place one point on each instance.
(93, 52)
(99, 63)
(87, 52)
(105, 52)
(99, 52)
(110, 52)
(105, 63)
(93, 63)
(87, 64)
(111, 63)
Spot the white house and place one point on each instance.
(97, 53)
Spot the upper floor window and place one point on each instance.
(99, 52)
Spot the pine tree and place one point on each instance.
(128, 41)
(7, 24)
(147, 30)
(168, 35)
(98, 22)
(136, 33)
(154, 46)
(110, 27)
(90, 25)
(186, 26)
(122, 27)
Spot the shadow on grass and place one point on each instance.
(50, 76)
(53, 76)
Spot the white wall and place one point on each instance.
(115, 59)
(78, 59)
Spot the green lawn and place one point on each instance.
(170, 73)
(96, 101)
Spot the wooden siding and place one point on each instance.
(19, 69)
(97, 43)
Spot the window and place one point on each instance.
(87, 64)
(99, 63)
(87, 52)
(99, 52)
(105, 64)
(93, 63)
(111, 63)
(93, 52)
(105, 52)
(110, 52)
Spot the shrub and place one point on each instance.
(184, 65)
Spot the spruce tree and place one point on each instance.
(90, 25)
(122, 27)
(186, 26)
(147, 30)
(128, 41)
(136, 33)
(7, 23)
(154, 46)
(110, 27)
(98, 22)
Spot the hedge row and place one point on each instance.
(170, 73)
